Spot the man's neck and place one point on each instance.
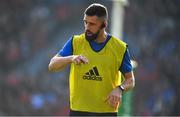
(101, 37)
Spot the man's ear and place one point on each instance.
(104, 25)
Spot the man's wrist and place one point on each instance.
(121, 88)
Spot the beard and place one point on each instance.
(91, 36)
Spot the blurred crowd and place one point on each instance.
(152, 32)
(30, 28)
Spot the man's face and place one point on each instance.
(92, 26)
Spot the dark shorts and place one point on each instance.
(80, 113)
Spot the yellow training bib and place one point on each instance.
(91, 83)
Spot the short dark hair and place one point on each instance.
(97, 9)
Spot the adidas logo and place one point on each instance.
(93, 74)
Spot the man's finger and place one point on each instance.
(85, 59)
(78, 61)
(116, 98)
(82, 59)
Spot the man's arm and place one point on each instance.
(114, 98)
(58, 62)
(64, 57)
(129, 81)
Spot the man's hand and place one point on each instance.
(114, 98)
(78, 59)
(58, 62)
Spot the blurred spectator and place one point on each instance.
(151, 28)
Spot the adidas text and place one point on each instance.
(97, 78)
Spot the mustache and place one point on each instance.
(88, 31)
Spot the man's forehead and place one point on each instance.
(90, 17)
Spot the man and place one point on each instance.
(97, 60)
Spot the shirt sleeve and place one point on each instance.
(126, 63)
(67, 49)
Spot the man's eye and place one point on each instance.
(91, 24)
